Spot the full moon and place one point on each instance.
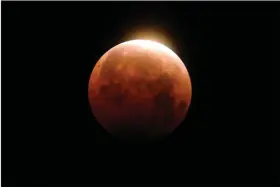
(139, 90)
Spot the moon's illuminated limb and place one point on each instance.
(153, 45)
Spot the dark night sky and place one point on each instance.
(49, 135)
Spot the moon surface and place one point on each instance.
(140, 90)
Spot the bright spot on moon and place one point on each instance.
(153, 35)
(151, 45)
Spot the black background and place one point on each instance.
(49, 136)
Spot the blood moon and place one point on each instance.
(139, 90)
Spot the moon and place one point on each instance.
(139, 90)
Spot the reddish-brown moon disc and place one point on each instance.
(139, 90)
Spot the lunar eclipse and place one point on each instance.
(139, 90)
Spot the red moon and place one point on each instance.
(140, 90)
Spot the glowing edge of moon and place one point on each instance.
(149, 44)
